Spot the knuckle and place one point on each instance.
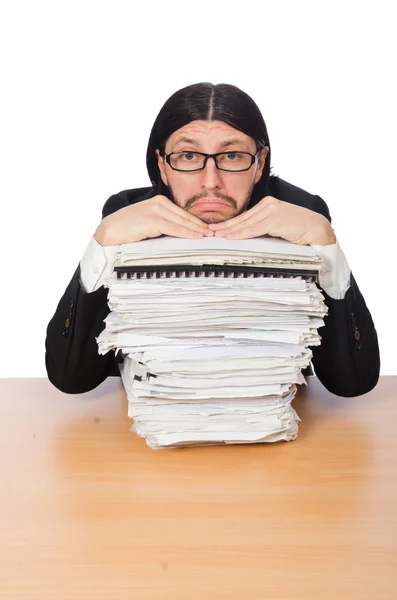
(158, 209)
(269, 201)
(158, 200)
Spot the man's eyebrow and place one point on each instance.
(224, 144)
(231, 142)
(187, 140)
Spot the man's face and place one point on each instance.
(211, 195)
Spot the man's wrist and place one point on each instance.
(334, 276)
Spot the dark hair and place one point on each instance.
(206, 101)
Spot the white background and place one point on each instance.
(82, 83)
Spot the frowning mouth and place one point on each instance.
(211, 204)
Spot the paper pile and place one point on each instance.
(213, 358)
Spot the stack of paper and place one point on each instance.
(213, 359)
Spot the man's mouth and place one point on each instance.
(211, 203)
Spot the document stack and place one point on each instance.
(215, 334)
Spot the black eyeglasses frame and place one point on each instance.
(167, 158)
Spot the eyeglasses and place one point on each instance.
(195, 161)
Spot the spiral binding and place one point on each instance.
(223, 271)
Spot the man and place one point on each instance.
(208, 159)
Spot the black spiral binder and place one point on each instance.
(221, 271)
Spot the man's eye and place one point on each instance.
(188, 156)
(231, 156)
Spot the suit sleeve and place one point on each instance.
(72, 360)
(347, 362)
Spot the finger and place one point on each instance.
(231, 222)
(180, 219)
(258, 208)
(238, 226)
(252, 231)
(175, 230)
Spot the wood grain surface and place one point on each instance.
(89, 511)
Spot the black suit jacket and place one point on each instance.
(347, 362)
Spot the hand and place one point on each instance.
(149, 219)
(278, 219)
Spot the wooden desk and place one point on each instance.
(89, 511)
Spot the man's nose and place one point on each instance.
(211, 176)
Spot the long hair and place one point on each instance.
(208, 102)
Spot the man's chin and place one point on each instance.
(212, 216)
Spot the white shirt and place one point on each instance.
(98, 263)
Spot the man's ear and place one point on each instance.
(261, 163)
(161, 166)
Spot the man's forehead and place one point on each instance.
(205, 129)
